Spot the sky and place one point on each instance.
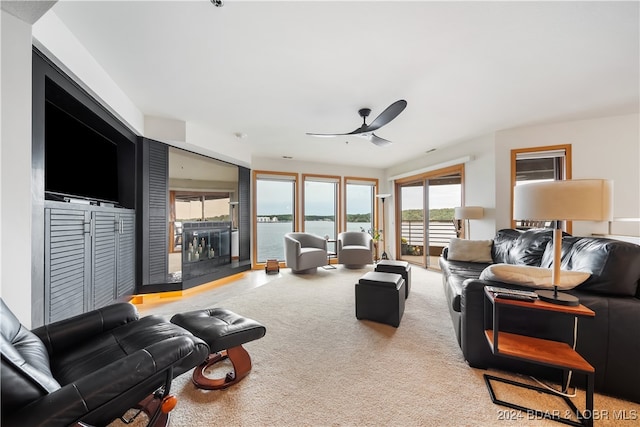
(440, 196)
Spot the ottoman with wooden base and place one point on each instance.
(380, 297)
(395, 266)
(225, 332)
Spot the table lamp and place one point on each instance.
(466, 213)
(384, 241)
(568, 200)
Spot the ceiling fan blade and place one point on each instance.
(324, 135)
(387, 115)
(380, 142)
(360, 130)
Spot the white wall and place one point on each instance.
(292, 165)
(219, 145)
(607, 147)
(479, 179)
(62, 47)
(198, 139)
(479, 189)
(15, 167)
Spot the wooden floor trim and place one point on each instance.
(160, 296)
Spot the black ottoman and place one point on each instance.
(400, 267)
(225, 332)
(380, 298)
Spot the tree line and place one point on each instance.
(444, 214)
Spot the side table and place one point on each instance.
(331, 255)
(541, 351)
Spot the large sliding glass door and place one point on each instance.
(444, 194)
(412, 207)
(426, 204)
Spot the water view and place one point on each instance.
(270, 235)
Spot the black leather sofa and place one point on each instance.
(610, 341)
(91, 368)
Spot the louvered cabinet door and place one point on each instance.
(125, 284)
(103, 284)
(154, 212)
(67, 263)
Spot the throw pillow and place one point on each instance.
(535, 277)
(470, 250)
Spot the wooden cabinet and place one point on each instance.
(89, 258)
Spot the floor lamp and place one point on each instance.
(577, 200)
(466, 213)
(384, 240)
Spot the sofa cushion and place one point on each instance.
(535, 277)
(456, 272)
(470, 250)
(520, 247)
(614, 265)
(502, 244)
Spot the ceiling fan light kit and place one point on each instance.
(366, 131)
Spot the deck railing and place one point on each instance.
(440, 232)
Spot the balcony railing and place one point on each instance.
(412, 233)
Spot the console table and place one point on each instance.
(541, 351)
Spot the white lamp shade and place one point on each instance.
(383, 196)
(468, 212)
(579, 200)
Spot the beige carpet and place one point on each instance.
(319, 366)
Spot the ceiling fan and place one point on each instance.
(366, 131)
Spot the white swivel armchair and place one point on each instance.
(304, 252)
(355, 249)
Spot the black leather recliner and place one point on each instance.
(90, 369)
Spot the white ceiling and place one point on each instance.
(276, 70)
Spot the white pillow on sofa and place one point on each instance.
(535, 277)
(470, 250)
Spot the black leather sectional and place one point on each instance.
(610, 341)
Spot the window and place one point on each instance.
(537, 164)
(321, 205)
(360, 204)
(275, 204)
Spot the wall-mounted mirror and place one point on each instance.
(200, 189)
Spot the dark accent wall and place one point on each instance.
(244, 214)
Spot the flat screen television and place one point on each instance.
(80, 161)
